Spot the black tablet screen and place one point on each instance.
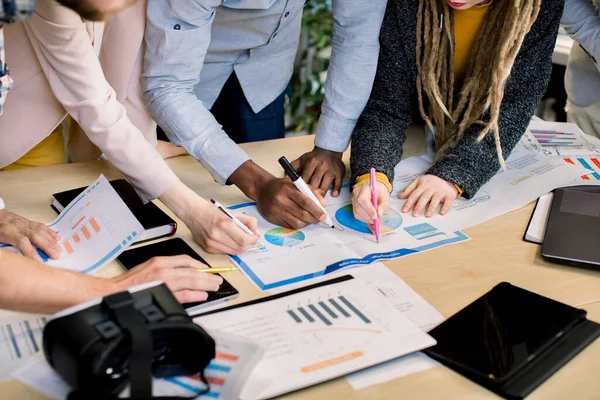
(173, 247)
(497, 334)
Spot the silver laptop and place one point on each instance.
(573, 230)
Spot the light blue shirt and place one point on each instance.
(581, 20)
(193, 46)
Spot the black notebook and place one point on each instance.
(511, 340)
(155, 221)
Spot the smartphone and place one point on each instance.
(175, 247)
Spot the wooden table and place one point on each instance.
(449, 277)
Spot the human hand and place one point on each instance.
(363, 205)
(179, 273)
(211, 228)
(281, 203)
(216, 233)
(320, 168)
(427, 192)
(24, 235)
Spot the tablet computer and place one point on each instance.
(510, 340)
(175, 247)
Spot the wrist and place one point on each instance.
(336, 154)
(182, 200)
(249, 177)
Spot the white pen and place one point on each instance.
(303, 187)
(236, 221)
(1, 204)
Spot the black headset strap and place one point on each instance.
(140, 365)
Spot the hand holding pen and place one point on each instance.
(235, 220)
(304, 188)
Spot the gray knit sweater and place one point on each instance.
(381, 130)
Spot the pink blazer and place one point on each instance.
(54, 60)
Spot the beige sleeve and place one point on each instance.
(66, 54)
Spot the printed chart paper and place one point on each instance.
(289, 256)
(530, 174)
(235, 359)
(560, 139)
(316, 335)
(94, 228)
(20, 339)
(396, 293)
(226, 374)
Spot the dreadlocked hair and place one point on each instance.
(492, 58)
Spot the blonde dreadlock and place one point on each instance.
(501, 37)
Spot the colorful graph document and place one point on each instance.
(397, 294)
(530, 174)
(289, 256)
(20, 339)
(314, 335)
(94, 228)
(560, 139)
(235, 359)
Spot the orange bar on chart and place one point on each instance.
(224, 356)
(68, 247)
(215, 381)
(86, 233)
(76, 238)
(332, 362)
(94, 224)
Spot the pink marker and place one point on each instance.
(374, 201)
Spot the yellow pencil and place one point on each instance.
(217, 270)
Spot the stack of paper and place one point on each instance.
(311, 336)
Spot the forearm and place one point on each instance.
(29, 286)
(351, 73)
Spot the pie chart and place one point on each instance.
(389, 222)
(284, 237)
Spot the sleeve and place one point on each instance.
(381, 129)
(581, 20)
(177, 38)
(470, 164)
(351, 71)
(65, 52)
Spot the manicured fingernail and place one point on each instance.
(405, 209)
(38, 258)
(218, 279)
(428, 214)
(323, 218)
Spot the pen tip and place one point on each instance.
(212, 201)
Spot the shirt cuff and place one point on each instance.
(221, 156)
(334, 134)
(379, 177)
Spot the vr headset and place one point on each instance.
(129, 337)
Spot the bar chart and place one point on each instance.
(20, 338)
(327, 312)
(84, 229)
(552, 138)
